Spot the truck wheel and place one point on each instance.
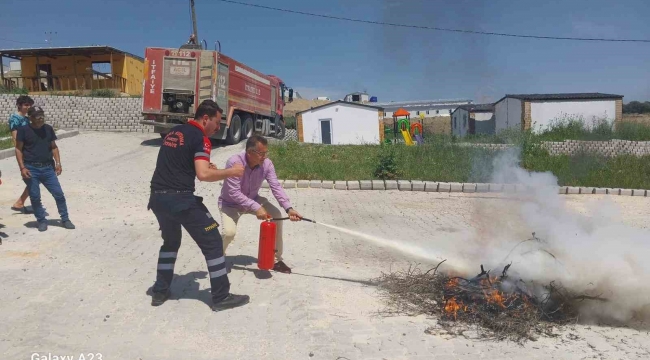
(247, 129)
(279, 129)
(234, 131)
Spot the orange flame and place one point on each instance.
(452, 306)
(495, 297)
(452, 283)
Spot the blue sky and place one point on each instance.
(321, 57)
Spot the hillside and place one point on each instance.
(301, 104)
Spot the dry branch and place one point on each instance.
(497, 307)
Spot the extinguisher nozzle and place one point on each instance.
(305, 219)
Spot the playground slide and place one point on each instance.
(419, 139)
(407, 137)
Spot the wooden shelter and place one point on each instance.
(75, 69)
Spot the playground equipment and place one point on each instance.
(403, 126)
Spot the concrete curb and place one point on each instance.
(60, 134)
(444, 187)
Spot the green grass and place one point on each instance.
(571, 129)
(440, 159)
(625, 171)
(4, 132)
(6, 144)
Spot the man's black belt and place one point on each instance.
(39, 164)
(172, 191)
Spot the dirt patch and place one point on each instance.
(21, 254)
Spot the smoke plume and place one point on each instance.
(593, 254)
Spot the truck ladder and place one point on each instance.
(205, 76)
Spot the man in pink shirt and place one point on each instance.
(239, 196)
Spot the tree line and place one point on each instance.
(636, 107)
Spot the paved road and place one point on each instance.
(85, 291)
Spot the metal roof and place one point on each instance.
(423, 104)
(341, 102)
(477, 107)
(65, 51)
(563, 96)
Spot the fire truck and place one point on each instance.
(176, 81)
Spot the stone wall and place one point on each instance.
(84, 113)
(572, 147)
(607, 148)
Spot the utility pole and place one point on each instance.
(196, 32)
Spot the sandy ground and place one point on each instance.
(85, 291)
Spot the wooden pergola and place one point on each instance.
(59, 52)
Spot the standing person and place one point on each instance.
(40, 163)
(16, 120)
(184, 155)
(240, 196)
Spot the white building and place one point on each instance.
(357, 97)
(428, 108)
(538, 111)
(341, 123)
(472, 119)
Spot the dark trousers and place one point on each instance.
(188, 211)
(47, 176)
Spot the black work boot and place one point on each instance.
(231, 301)
(159, 298)
(280, 266)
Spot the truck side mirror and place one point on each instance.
(290, 95)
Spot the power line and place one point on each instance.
(436, 28)
(20, 42)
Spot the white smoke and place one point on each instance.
(594, 254)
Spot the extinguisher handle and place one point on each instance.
(287, 218)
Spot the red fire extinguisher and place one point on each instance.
(266, 252)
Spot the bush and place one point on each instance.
(290, 122)
(387, 168)
(19, 91)
(107, 93)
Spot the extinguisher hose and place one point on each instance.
(287, 218)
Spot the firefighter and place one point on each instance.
(184, 155)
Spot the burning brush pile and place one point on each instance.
(495, 307)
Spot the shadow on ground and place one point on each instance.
(34, 224)
(187, 287)
(240, 262)
(3, 235)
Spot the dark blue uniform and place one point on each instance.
(173, 202)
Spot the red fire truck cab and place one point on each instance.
(176, 81)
